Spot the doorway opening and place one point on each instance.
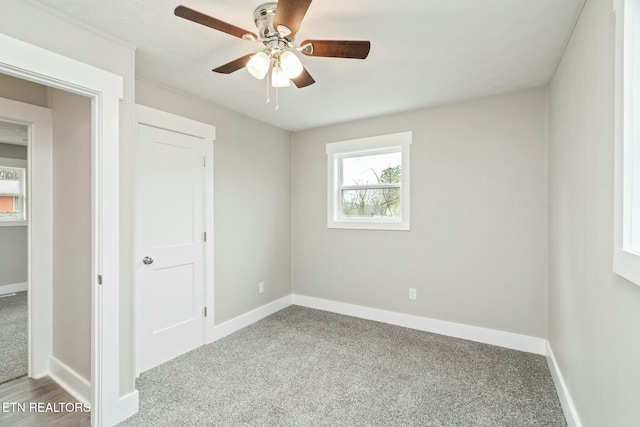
(104, 91)
(14, 351)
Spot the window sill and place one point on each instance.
(13, 223)
(370, 225)
(627, 265)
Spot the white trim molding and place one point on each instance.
(72, 382)
(33, 63)
(569, 409)
(130, 403)
(457, 330)
(174, 123)
(244, 320)
(13, 287)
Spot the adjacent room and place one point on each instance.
(13, 250)
(305, 213)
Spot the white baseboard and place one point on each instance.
(70, 380)
(13, 287)
(569, 409)
(244, 320)
(457, 330)
(128, 405)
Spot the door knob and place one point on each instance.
(147, 260)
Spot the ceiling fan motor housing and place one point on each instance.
(275, 42)
(263, 17)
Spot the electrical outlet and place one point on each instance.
(413, 294)
(260, 287)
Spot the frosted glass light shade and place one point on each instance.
(258, 65)
(279, 78)
(290, 64)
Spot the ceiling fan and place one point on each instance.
(277, 25)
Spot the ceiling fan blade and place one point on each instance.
(234, 65)
(304, 79)
(337, 48)
(289, 14)
(211, 22)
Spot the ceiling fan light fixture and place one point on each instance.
(290, 64)
(258, 65)
(279, 78)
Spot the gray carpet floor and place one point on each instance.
(304, 367)
(13, 337)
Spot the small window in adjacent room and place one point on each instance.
(12, 195)
(368, 183)
(626, 257)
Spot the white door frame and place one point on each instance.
(171, 122)
(29, 62)
(39, 224)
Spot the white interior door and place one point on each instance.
(171, 221)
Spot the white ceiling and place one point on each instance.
(423, 52)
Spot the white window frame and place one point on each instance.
(17, 164)
(336, 151)
(626, 251)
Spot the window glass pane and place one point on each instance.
(10, 193)
(372, 169)
(10, 181)
(371, 203)
(9, 207)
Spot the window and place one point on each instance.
(368, 183)
(626, 258)
(12, 192)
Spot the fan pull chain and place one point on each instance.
(268, 100)
(268, 79)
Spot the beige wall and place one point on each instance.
(72, 230)
(23, 91)
(476, 252)
(593, 314)
(252, 202)
(13, 255)
(35, 26)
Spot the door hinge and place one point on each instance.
(204, 161)
(205, 312)
(99, 279)
(205, 236)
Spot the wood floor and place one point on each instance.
(19, 398)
